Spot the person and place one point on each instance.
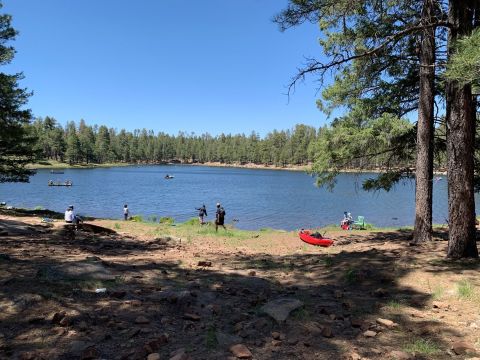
(220, 217)
(202, 211)
(347, 220)
(125, 212)
(71, 217)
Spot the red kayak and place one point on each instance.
(309, 239)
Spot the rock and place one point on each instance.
(369, 333)
(252, 273)
(352, 355)
(142, 320)
(327, 332)
(181, 356)
(153, 356)
(401, 355)
(292, 341)
(387, 323)
(66, 321)
(276, 335)
(154, 345)
(380, 293)
(356, 322)
(276, 342)
(279, 309)
(204, 263)
(58, 316)
(226, 340)
(241, 351)
(462, 348)
(78, 270)
(192, 317)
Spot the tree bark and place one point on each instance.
(424, 165)
(460, 145)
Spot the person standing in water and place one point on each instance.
(202, 211)
(220, 217)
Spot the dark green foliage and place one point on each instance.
(16, 136)
(87, 144)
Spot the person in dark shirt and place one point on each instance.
(220, 217)
(202, 212)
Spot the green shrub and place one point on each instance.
(38, 207)
(167, 220)
(137, 218)
(369, 226)
(191, 221)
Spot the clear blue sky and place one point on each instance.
(167, 65)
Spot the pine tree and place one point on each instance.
(16, 138)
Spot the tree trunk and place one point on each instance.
(424, 166)
(460, 145)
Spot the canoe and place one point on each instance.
(305, 236)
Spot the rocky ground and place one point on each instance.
(125, 291)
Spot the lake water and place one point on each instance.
(256, 198)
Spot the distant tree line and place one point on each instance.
(84, 143)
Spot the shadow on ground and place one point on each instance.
(155, 303)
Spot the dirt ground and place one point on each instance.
(128, 291)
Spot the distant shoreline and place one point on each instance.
(304, 168)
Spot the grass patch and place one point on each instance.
(152, 218)
(137, 218)
(38, 207)
(328, 261)
(211, 338)
(191, 222)
(117, 226)
(165, 220)
(301, 314)
(351, 276)
(438, 293)
(465, 289)
(422, 346)
(394, 305)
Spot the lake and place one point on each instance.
(256, 198)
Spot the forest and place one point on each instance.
(86, 144)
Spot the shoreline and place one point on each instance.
(250, 166)
(370, 228)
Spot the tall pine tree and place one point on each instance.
(16, 141)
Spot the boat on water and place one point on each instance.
(56, 172)
(169, 177)
(314, 238)
(60, 183)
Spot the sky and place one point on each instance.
(216, 66)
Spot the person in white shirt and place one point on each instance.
(70, 216)
(125, 212)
